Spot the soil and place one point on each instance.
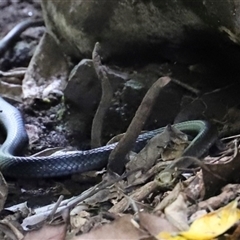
(12, 13)
(46, 118)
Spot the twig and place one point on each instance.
(229, 192)
(140, 194)
(117, 157)
(52, 213)
(105, 101)
(186, 86)
(13, 73)
(10, 230)
(231, 137)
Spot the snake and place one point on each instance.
(14, 165)
(13, 35)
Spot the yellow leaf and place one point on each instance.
(213, 224)
(169, 236)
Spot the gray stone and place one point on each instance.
(135, 27)
(84, 87)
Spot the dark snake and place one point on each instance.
(79, 161)
(14, 34)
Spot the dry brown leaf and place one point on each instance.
(169, 144)
(78, 218)
(3, 191)
(12, 91)
(47, 72)
(48, 232)
(122, 228)
(176, 213)
(218, 175)
(170, 198)
(154, 224)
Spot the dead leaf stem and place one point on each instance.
(106, 97)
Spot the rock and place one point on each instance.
(199, 33)
(47, 72)
(177, 29)
(84, 87)
(214, 104)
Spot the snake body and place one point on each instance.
(79, 161)
(13, 35)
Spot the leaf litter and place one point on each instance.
(134, 205)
